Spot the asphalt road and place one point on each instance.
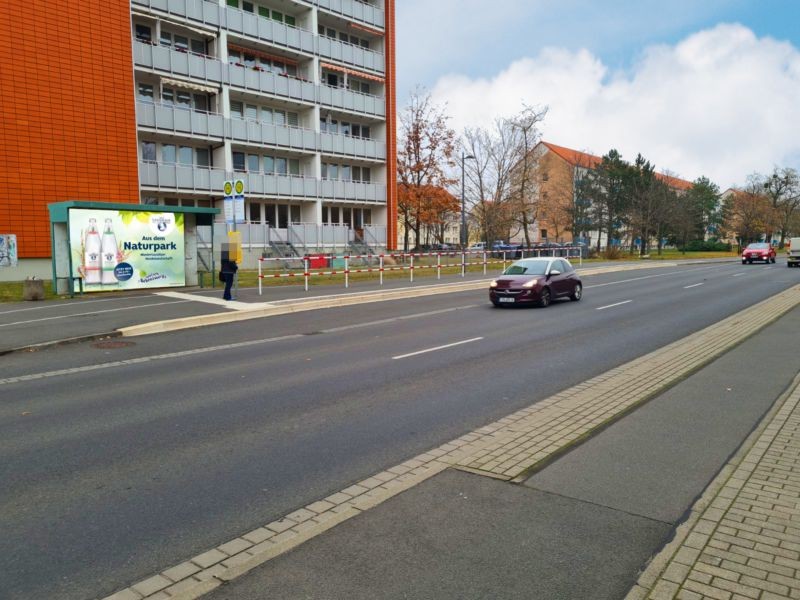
(113, 472)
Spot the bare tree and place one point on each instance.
(748, 212)
(525, 187)
(782, 188)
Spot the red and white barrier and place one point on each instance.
(411, 267)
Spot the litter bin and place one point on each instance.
(317, 261)
(33, 289)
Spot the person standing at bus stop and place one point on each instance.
(227, 272)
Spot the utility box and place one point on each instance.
(793, 257)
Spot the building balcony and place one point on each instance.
(354, 9)
(350, 54)
(295, 39)
(212, 71)
(182, 122)
(179, 121)
(187, 179)
(344, 145)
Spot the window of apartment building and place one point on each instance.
(202, 157)
(238, 161)
(184, 99)
(148, 151)
(253, 163)
(295, 212)
(346, 172)
(237, 110)
(283, 216)
(338, 81)
(263, 11)
(352, 129)
(255, 212)
(186, 155)
(145, 92)
(342, 36)
(269, 214)
(144, 33)
(543, 233)
(168, 154)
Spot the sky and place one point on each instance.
(699, 87)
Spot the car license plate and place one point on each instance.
(507, 299)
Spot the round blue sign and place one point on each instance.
(123, 271)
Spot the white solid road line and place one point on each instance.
(597, 285)
(229, 304)
(612, 305)
(94, 312)
(740, 274)
(437, 348)
(686, 287)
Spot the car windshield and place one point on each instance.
(758, 246)
(527, 267)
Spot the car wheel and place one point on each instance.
(773, 260)
(544, 298)
(495, 304)
(577, 292)
(749, 262)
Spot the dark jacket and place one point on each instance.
(228, 267)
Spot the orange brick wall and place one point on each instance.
(391, 128)
(67, 125)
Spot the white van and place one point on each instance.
(793, 256)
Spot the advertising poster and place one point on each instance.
(8, 250)
(126, 249)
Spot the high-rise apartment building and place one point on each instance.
(161, 101)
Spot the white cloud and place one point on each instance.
(721, 103)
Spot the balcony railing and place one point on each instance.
(179, 121)
(285, 36)
(215, 72)
(353, 9)
(176, 178)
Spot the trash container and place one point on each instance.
(33, 289)
(317, 261)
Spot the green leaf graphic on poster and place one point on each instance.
(126, 216)
(179, 221)
(142, 273)
(143, 217)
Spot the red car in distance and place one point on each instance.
(758, 251)
(536, 281)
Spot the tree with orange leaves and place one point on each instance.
(425, 152)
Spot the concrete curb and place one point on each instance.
(63, 342)
(337, 301)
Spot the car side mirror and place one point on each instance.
(555, 272)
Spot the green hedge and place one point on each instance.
(706, 246)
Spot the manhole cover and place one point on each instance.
(111, 344)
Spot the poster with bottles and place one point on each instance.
(126, 249)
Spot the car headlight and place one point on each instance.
(530, 283)
(493, 284)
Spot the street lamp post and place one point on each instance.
(464, 157)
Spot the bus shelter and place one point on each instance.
(103, 246)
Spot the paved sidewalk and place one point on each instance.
(743, 537)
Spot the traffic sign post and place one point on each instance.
(233, 196)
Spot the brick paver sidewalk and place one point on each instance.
(742, 540)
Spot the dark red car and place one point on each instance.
(758, 251)
(536, 281)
